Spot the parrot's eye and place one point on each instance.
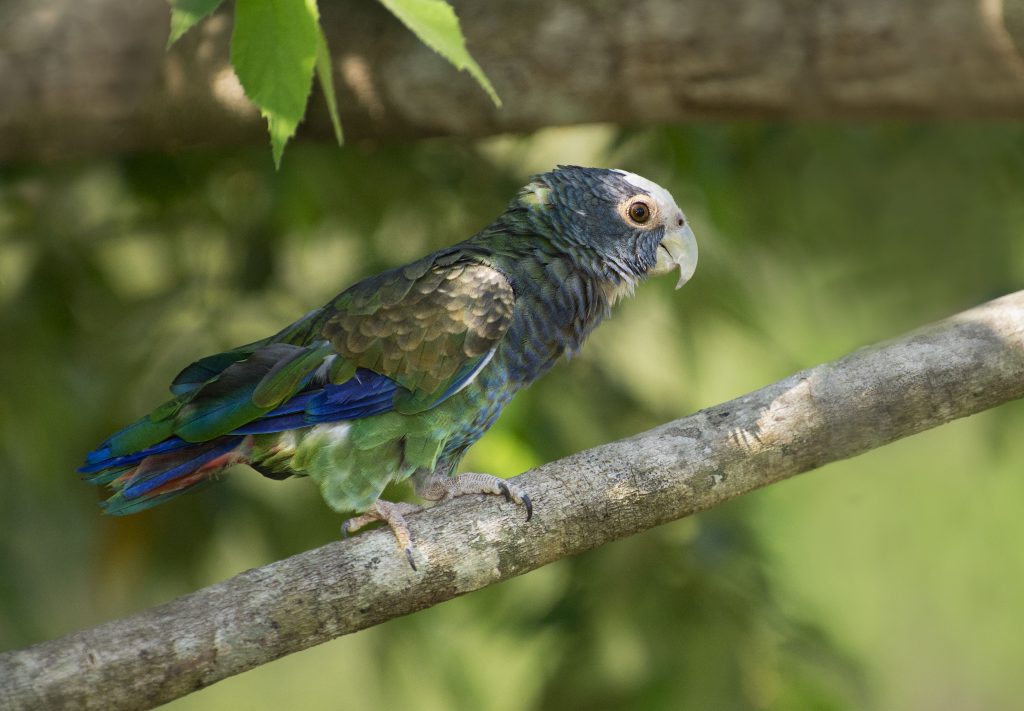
(639, 212)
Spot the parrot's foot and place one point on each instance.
(393, 514)
(440, 487)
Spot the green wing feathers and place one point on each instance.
(427, 327)
(239, 393)
(301, 333)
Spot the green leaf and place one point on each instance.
(435, 23)
(273, 51)
(186, 13)
(325, 76)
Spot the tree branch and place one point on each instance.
(959, 366)
(92, 77)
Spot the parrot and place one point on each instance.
(398, 375)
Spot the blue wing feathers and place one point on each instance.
(148, 484)
(100, 458)
(269, 425)
(364, 394)
(361, 395)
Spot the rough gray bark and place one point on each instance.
(91, 77)
(951, 369)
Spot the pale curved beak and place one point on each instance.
(678, 249)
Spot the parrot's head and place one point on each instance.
(617, 225)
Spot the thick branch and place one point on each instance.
(91, 77)
(957, 367)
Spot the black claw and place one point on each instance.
(503, 488)
(344, 530)
(529, 507)
(408, 557)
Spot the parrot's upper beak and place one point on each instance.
(677, 249)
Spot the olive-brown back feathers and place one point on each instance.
(442, 320)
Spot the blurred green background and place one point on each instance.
(892, 581)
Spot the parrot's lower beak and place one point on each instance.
(677, 249)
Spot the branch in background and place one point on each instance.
(93, 78)
(959, 366)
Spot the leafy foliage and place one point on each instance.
(435, 23)
(273, 49)
(187, 13)
(276, 45)
(324, 76)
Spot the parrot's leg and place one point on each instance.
(393, 514)
(441, 487)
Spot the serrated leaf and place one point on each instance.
(435, 23)
(186, 13)
(325, 76)
(273, 51)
